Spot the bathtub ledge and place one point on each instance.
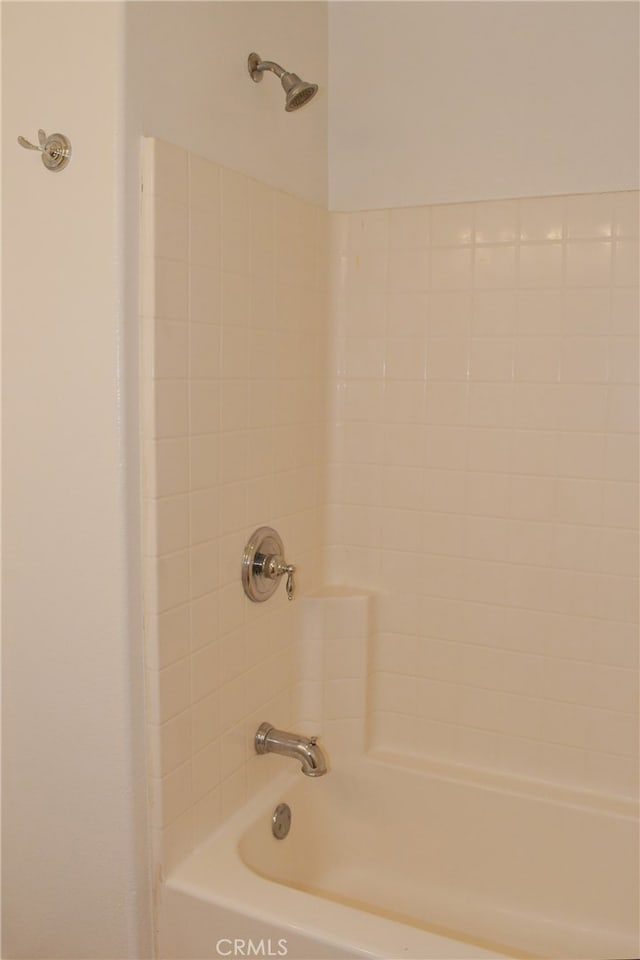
(507, 783)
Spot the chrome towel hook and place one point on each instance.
(55, 150)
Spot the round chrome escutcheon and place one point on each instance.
(265, 543)
(281, 821)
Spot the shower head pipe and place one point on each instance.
(262, 65)
(297, 91)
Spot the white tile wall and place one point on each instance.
(233, 325)
(481, 469)
(483, 478)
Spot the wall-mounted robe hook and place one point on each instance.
(55, 150)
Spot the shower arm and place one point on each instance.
(270, 65)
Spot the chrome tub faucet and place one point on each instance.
(304, 749)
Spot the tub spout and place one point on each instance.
(304, 749)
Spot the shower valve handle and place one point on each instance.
(290, 585)
(274, 567)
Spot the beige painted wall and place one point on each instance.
(74, 863)
(443, 102)
(74, 784)
(188, 70)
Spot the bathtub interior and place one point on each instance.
(510, 872)
(214, 894)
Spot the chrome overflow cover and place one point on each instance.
(281, 821)
(263, 564)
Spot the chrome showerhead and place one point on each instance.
(297, 91)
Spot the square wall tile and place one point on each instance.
(626, 216)
(590, 215)
(495, 267)
(452, 224)
(541, 265)
(409, 227)
(543, 218)
(588, 264)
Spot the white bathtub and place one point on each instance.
(387, 860)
